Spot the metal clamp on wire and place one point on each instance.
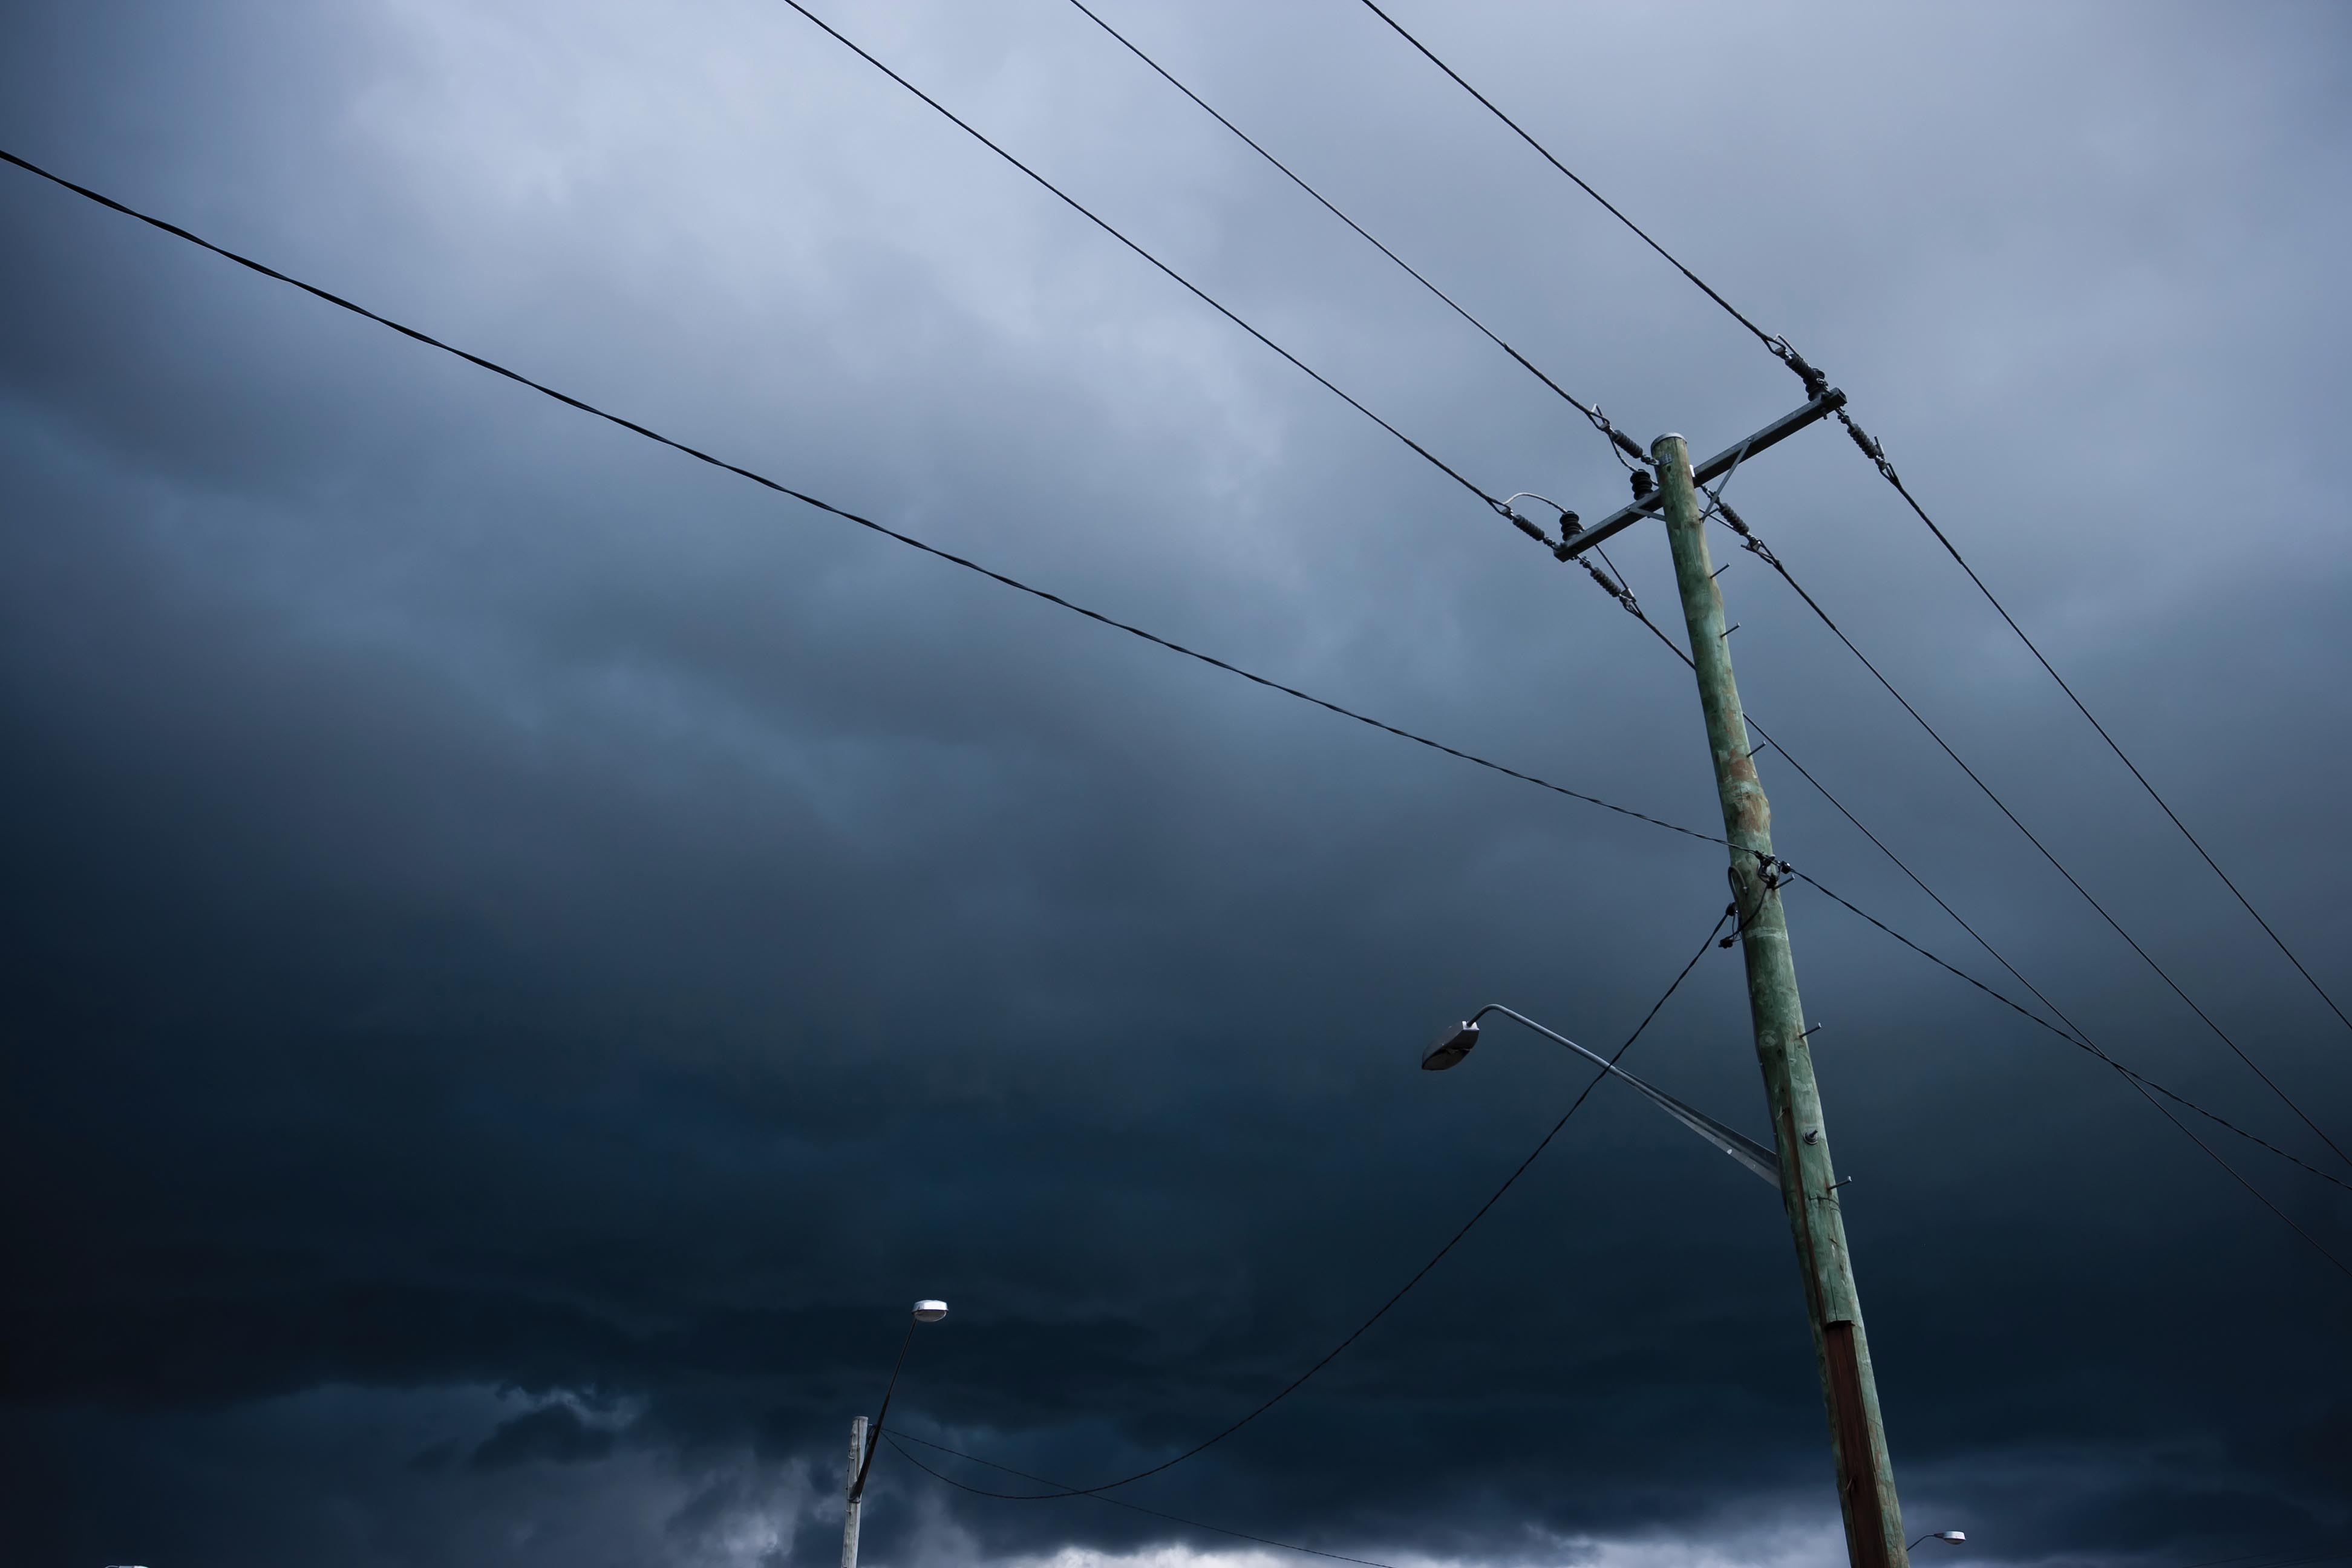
(1771, 870)
(1568, 523)
(1626, 446)
(1816, 383)
(1532, 530)
(1747, 540)
(1608, 585)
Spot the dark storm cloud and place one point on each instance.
(527, 953)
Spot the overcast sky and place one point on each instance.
(528, 952)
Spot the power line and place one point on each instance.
(2137, 1082)
(909, 540)
(1764, 552)
(1625, 597)
(1116, 1502)
(1782, 350)
(1402, 1290)
(1877, 455)
(1545, 152)
(2072, 1034)
(866, 522)
(1189, 286)
(1625, 443)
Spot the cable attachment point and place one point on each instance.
(1626, 447)
(1815, 382)
(1642, 483)
(1870, 446)
(1608, 585)
(1532, 530)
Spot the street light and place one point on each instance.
(1459, 1042)
(862, 1437)
(1948, 1537)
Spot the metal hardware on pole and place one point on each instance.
(1809, 1187)
(1576, 543)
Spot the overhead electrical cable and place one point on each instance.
(1782, 350)
(1625, 443)
(1625, 597)
(2078, 1040)
(1296, 1384)
(2142, 1084)
(1071, 202)
(1764, 552)
(2071, 1033)
(1545, 152)
(583, 406)
(866, 522)
(1878, 457)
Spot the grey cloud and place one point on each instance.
(553, 1434)
(498, 907)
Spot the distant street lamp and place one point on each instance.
(1948, 1537)
(1458, 1043)
(862, 1437)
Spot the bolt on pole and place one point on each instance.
(1865, 1478)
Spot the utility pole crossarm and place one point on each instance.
(1714, 467)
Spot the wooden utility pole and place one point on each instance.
(1809, 1187)
(853, 1498)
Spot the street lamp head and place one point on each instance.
(929, 1312)
(1451, 1047)
(1953, 1537)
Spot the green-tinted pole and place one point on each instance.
(1873, 1520)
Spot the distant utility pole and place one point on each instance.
(1809, 1187)
(863, 1437)
(853, 1501)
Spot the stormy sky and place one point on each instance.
(526, 953)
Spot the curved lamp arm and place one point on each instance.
(1458, 1043)
(925, 1311)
